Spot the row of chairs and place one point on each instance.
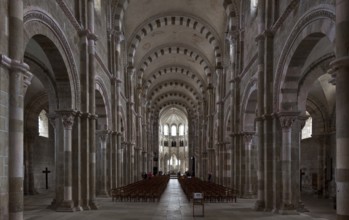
(141, 191)
(212, 192)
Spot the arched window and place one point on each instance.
(308, 127)
(254, 5)
(165, 129)
(181, 130)
(173, 130)
(43, 124)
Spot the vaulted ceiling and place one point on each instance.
(175, 45)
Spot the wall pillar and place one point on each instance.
(67, 205)
(102, 172)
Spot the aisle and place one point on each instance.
(173, 205)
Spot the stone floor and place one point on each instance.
(173, 205)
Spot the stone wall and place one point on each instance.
(309, 164)
(43, 156)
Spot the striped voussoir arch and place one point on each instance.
(184, 50)
(119, 13)
(174, 95)
(182, 84)
(179, 20)
(185, 71)
(158, 108)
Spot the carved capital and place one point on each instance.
(67, 117)
(88, 34)
(231, 36)
(119, 36)
(248, 136)
(93, 117)
(210, 86)
(336, 65)
(103, 135)
(115, 79)
(287, 118)
(131, 70)
(85, 115)
(27, 78)
(268, 116)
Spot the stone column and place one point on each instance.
(58, 142)
(119, 160)
(109, 161)
(277, 164)
(269, 159)
(15, 124)
(102, 188)
(67, 205)
(286, 120)
(340, 68)
(84, 166)
(76, 152)
(248, 192)
(241, 171)
(145, 147)
(124, 160)
(130, 119)
(92, 200)
(260, 203)
(114, 135)
(92, 38)
(211, 151)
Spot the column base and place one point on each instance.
(53, 205)
(288, 209)
(66, 206)
(78, 208)
(301, 207)
(259, 205)
(86, 207)
(93, 205)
